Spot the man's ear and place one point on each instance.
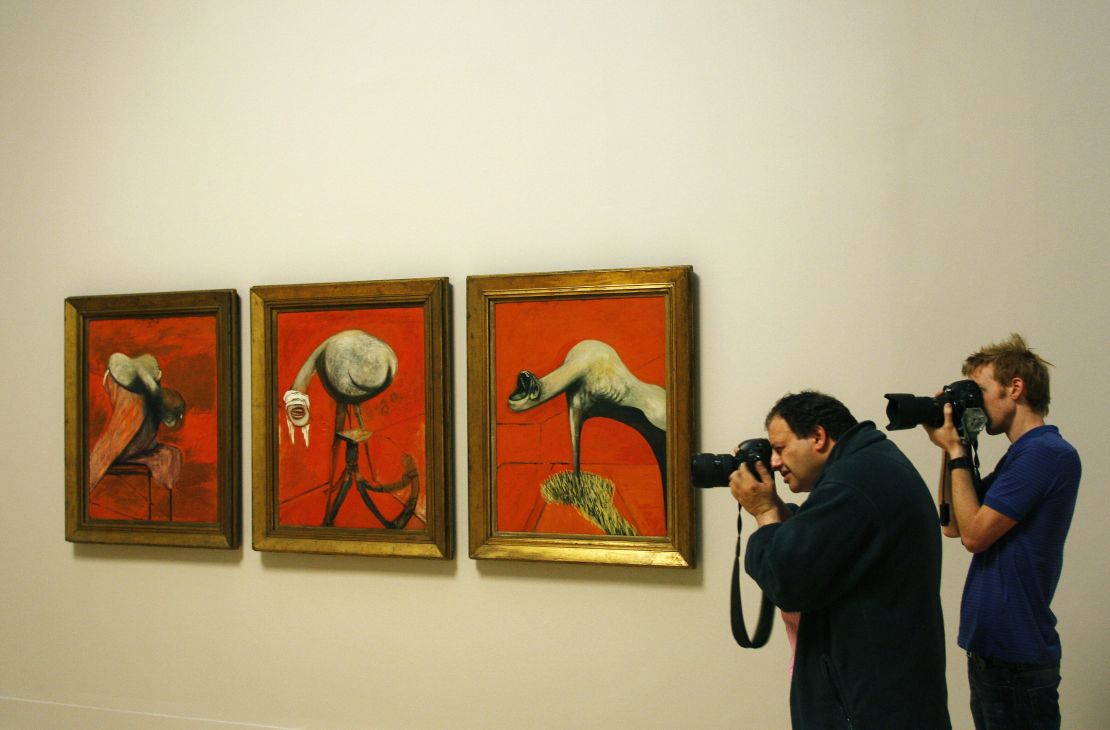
(1016, 389)
(821, 441)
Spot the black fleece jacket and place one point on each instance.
(861, 560)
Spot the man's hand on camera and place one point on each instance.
(757, 496)
(946, 436)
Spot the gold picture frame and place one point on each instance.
(152, 394)
(376, 480)
(547, 353)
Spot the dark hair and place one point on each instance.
(1011, 359)
(805, 411)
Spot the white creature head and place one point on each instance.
(296, 414)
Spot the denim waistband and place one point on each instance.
(986, 662)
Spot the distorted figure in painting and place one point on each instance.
(597, 383)
(353, 367)
(140, 407)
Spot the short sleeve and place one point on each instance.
(1026, 478)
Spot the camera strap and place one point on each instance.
(976, 481)
(766, 608)
(972, 445)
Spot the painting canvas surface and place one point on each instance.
(392, 449)
(173, 477)
(534, 446)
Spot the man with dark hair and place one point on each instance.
(1015, 522)
(860, 559)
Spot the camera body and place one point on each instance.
(713, 470)
(968, 414)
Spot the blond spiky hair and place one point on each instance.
(1011, 359)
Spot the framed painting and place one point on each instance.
(351, 418)
(152, 419)
(579, 416)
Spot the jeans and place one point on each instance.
(1007, 696)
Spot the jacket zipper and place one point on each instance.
(832, 677)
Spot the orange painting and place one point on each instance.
(603, 363)
(358, 460)
(151, 412)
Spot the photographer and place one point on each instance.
(860, 559)
(1015, 523)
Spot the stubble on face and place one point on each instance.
(994, 399)
(794, 456)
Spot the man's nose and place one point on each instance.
(776, 462)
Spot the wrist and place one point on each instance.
(770, 517)
(960, 462)
(770, 513)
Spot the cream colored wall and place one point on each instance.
(867, 192)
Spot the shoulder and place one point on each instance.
(1043, 438)
(875, 459)
(881, 481)
(1044, 446)
(1039, 466)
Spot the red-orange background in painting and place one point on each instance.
(185, 348)
(536, 336)
(395, 417)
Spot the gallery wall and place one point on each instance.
(866, 192)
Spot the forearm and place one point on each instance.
(964, 501)
(960, 492)
(978, 525)
(952, 529)
(821, 551)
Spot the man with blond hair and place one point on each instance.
(1014, 522)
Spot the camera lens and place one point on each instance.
(906, 411)
(712, 470)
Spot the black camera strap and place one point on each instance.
(971, 444)
(766, 608)
(976, 481)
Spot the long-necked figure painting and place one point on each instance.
(153, 418)
(581, 431)
(350, 385)
(579, 408)
(351, 447)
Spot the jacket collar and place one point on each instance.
(859, 436)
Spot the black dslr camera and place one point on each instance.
(713, 470)
(968, 415)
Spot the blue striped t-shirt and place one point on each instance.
(1005, 612)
